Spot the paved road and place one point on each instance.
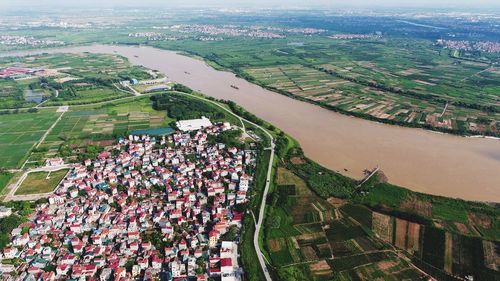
(262, 210)
(266, 189)
(49, 130)
(15, 186)
(136, 93)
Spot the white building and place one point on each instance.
(193, 124)
(229, 261)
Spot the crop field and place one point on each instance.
(83, 125)
(85, 94)
(19, 132)
(382, 226)
(311, 237)
(446, 252)
(87, 65)
(348, 96)
(298, 80)
(4, 180)
(66, 79)
(390, 268)
(406, 81)
(41, 182)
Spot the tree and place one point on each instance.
(291, 274)
(9, 223)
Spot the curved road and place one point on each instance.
(420, 160)
(262, 209)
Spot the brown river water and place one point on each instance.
(424, 161)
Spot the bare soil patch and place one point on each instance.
(320, 266)
(480, 220)
(448, 253)
(401, 229)
(416, 206)
(274, 245)
(382, 226)
(336, 202)
(308, 253)
(462, 228)
(385, 265)
(413, 244)
(297, 161)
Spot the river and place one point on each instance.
(424, 161)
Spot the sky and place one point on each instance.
(484, 4)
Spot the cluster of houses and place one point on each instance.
(146, 208)
(16, 72)
(483, 46)
(15, 40)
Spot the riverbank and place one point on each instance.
(421, 160)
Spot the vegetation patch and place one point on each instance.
(346, 263)
(5, 177)
(343, 230)
(41, 182)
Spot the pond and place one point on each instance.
(33, 96)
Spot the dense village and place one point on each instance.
(145, 208)
(482, 46)
(14, 40)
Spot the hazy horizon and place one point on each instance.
(458, 4)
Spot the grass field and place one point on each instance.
(4, 180)
(19, 132)
(41, 182)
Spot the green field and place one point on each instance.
(4, 180)
(86, 94)
(311, 239)
(86, 125)
(395, 80)
(41, 182)
(68, 79)
(19, 132)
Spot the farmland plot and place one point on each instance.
(18, 134)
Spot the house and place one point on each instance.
(54, 162)
(106, 274)
(21, 240)
(213, 238)
(62, 269)
(95, 218)
(10, 253)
